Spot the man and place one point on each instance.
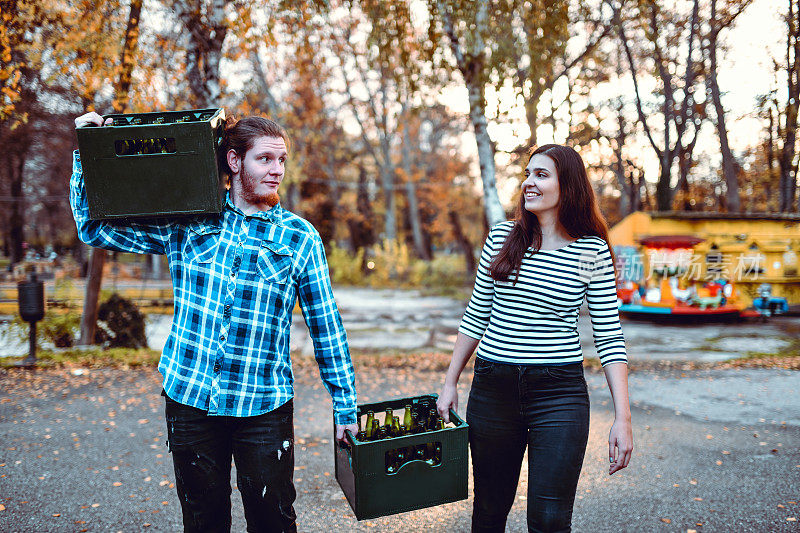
(226, 364)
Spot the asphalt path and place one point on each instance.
(86, 453)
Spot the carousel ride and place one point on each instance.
(672, 286)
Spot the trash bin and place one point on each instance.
(30, 298)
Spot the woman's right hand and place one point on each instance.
(447, 399)
(91, 118)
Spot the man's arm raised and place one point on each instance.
(135, 237)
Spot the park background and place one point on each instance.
(410, 122)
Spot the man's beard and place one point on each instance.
(249, 194)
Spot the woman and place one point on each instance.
(528, 388)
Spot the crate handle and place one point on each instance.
(347, 446)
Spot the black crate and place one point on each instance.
(372, 492)
(153, 164)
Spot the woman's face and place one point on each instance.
(540, 188)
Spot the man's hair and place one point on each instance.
(240, 135)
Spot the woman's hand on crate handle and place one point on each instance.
(341, 429)
(91, 118)
(462, 351)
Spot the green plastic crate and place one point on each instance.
(153, 164)
(372, 492)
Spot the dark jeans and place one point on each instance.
(262, 447)
(545, 408)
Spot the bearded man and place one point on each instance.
(226, 367)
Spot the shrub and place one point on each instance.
(392, 264)
(345, 268)
(120, 323)
(60, 329)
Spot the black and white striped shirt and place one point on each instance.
(535, 321)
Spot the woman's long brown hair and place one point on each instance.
(578, 213)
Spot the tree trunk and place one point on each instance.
(206, 35)
(491, 200)
(532, 116)
(772, 176)
(787, 155)
(17, 218)
(728, 163)
(122, 87)
(94, 280)
(472, 70)
(411, 196)
(390, 203)
(463, 243)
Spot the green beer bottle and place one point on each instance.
(390, 461)
(408, 421)
(388, 418)
(368, 427)
(433, 416)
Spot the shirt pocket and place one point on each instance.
(202, 243)
(274, 262)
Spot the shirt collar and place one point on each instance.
(274, 215)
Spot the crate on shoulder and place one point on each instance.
(403, 458)
(153, 164)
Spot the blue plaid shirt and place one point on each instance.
(236, 278)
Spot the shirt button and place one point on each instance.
(222, 337)
(228, 307)
(217, 367)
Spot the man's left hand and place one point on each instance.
(340, 432)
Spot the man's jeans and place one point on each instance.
(262, 447)
(545, 408)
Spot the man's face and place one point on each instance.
(262, 170)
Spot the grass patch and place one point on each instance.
(94, 357)
(788, 358)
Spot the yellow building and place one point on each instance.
(747, 249)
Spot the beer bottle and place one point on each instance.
(376, 426)
(369, 429)
(390, 461)
(170, 145)
(430, 452)
(408, 421)
(360, 433)
(388, 418)
(395, 426)
(419, 452)
(432, 418)
(416, 423)
(440, 424)
(403, 430)
(437, 453)
(402, 457)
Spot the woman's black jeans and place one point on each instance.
(262, 447)
(545, 408)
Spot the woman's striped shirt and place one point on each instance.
(535, 320)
